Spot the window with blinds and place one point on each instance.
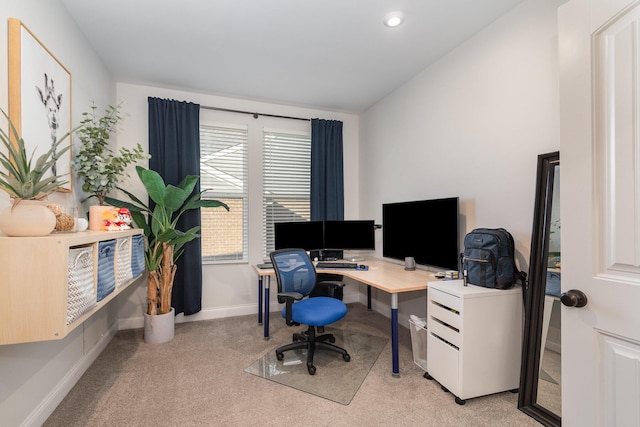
(286, 180)
(224, 177)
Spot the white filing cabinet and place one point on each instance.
(475, 338)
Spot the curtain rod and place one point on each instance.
(255, 115)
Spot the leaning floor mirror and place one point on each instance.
(540, 385)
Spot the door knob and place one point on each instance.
(574, 298)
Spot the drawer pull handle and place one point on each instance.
(444, 341)
(445, 324)
(445, 307)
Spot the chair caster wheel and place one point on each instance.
(460, 401)
(279, 355)
(311, 369)
(346, 357)
(332, 340)
(427, 376)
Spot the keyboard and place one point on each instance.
(336, 264)
(265, 265)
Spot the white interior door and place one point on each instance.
(600, 199)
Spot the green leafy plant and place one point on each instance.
(98, 166)
(164, 242)
(24, 178)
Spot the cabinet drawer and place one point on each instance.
(445, 299)
(445, 308)
(445, 332)
(442, 363)
(444, 314)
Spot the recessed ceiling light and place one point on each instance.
(393, 19)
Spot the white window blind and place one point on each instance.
(224, 177)
(286, 180)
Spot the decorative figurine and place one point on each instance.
(117, 219)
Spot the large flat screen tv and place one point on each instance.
(349, 235)
(426, 230)
(307, 235)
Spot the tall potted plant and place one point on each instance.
(164, 242)
(95, 163)
(27, 183)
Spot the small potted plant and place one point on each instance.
(28, 183)
(99, 167)
(164, 242)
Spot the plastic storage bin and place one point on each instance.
(419, 334)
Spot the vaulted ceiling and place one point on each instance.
(329, 54)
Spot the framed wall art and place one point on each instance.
(39, 96)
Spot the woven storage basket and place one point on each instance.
(123, 261)
(106, 268)
(137, 255)
(81, 294)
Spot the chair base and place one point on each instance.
(311, 342)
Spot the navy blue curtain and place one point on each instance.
(327, 176)
(174, 146)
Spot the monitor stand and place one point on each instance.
(327, 254)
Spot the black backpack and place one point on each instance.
(489, 259)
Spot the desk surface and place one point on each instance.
(383, 275)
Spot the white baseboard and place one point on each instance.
(64, 386)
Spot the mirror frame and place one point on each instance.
(535, 291)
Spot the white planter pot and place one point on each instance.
(159, 328)
(29, 218)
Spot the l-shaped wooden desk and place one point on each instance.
(386, 276)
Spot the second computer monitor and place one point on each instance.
(349, 235)
(307, 235)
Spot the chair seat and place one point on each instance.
(318, 311)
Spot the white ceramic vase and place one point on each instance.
(29, 218)
(159, 328)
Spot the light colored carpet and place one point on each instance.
(334, 379)
(198, 379)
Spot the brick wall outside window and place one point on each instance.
(221, 233)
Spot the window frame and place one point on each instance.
(225, 195)
(292, 195)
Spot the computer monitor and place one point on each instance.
(307, 235)
(349, 235)
(424, 229)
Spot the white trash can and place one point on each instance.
(418, 327)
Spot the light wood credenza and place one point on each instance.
(37, 274)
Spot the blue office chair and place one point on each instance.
(296, 277)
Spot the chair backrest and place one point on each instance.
(294, 270)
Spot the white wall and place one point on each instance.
(470, 126)
(35, 377)
(231, 289)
